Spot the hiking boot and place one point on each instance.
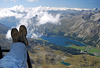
(15, 35)
(23, 33)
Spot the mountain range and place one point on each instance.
(82, 25)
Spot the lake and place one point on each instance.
(61, 41)
(65, 63)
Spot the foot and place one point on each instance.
(15, 35)
(23, 33)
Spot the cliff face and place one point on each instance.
(87, 28)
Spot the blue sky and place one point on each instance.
(51, 3)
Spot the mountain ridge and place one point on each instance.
(83, 26)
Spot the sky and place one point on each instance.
(90, 4)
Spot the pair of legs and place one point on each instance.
(17, 57)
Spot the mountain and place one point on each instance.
(4, 43)
(83, 26)
(79, 24)
(3, 29)
(9, 21)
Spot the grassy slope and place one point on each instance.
(84, 61)
(91, 50)
(79, 47)
(76, 61)
(41, 54)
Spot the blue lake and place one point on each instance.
(65, 63)
(61, 41)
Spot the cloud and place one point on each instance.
(8, 35)
(8, 12)
(11, 1)
(32, 18)
(31, 0)
(46, 17)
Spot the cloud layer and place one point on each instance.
(32, 18)
(8, 12)
(31, 0)
(17, 0)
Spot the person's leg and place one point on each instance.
(16, 58)
(23, 33)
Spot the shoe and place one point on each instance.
(15, 35)
(23, 33)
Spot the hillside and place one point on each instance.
(50, 57)
(4, 43)
(83, 26)
(3, 29)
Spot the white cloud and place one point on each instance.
(8, 35)
(6, 13)
(10, 0)
(31, 0)
(13, 1)
(32, 18)
(45, 17)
